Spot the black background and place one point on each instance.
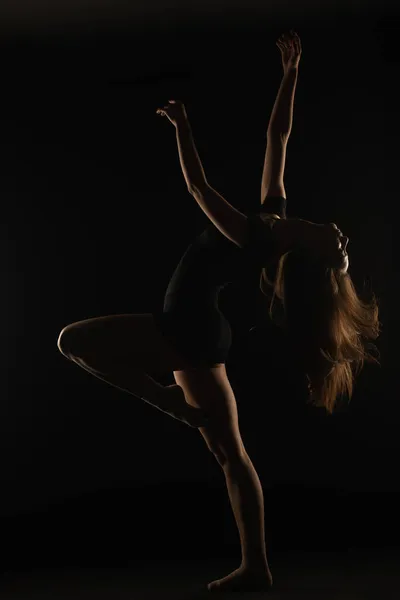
(95, 215)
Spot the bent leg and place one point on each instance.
(118, 350)
(114, 338)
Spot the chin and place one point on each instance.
(344, 264)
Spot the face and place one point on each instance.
(336, 244)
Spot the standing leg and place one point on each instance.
(247, 501)
(210, 389)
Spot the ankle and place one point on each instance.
(256, 565)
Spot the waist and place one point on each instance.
(189, 301)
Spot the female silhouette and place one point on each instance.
(325, 320)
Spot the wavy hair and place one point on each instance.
(328, 323)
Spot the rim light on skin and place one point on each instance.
(323, 243)
(342, 242)
(330, 246)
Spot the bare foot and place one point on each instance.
(243, 580)
(177, 407)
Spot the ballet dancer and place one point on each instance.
(326, 321)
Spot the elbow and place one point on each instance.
(278, 134)
(198, 188)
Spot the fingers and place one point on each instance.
(288, 40)
(282, 42)
(294, 36)
(176, 103)
(174, 110)
(163, 111)
(296, 42)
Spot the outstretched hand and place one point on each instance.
(175, 112)
(290, 46)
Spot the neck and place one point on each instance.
(296, 233)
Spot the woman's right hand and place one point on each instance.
(290, 46)
(175, 112)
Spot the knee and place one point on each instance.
(230, 458)
(67, 341)
(227, 451)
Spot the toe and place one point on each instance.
(213, 585)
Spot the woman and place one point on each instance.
(192, 338)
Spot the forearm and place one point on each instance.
(281, 119)
(192, 168)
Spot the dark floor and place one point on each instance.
(351, 575)
(170, 540)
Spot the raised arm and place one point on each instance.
(281, 119)
(192, 168)
(231, 222)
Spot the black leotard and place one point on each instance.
(191, 319)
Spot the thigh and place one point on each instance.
(198, 330)
(210, 389)
(129, 338)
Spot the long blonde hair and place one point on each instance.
(327, 322)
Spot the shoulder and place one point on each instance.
(268, 216)
(275, 205)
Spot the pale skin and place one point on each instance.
(124, 349)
